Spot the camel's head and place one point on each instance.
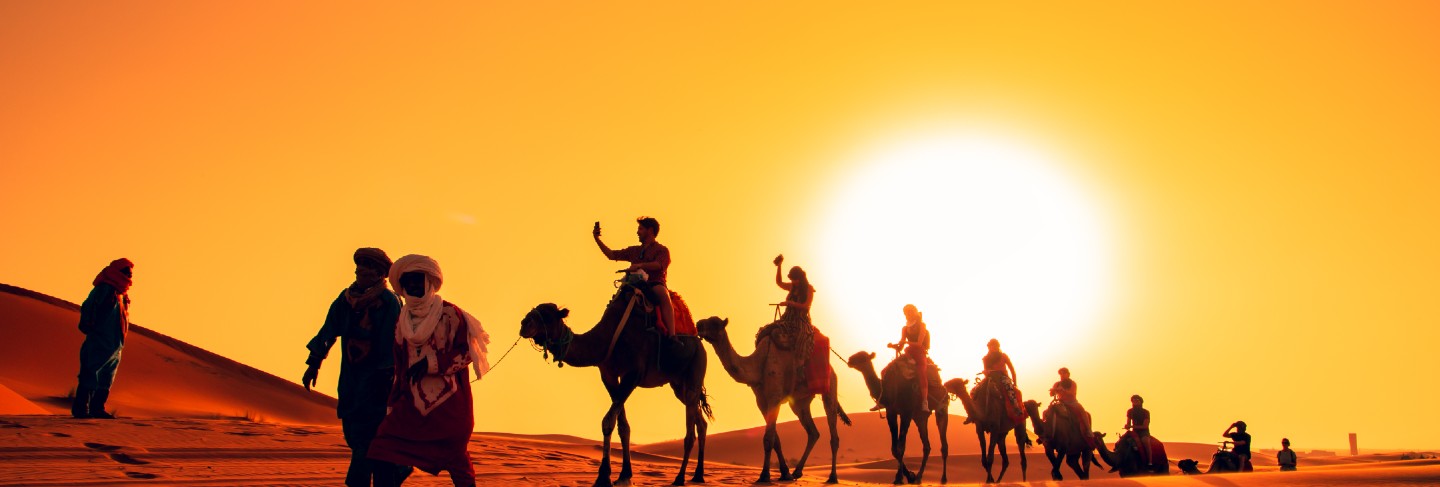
(543, 321)
(712, 328)
(862, 359)
(1032, 406)
(956, 386)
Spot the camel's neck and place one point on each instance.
(968, 402)
(745, 370)
(583, 350)
(1034, 413)
(872, 380)
(589, 349)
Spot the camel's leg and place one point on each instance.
(692, 413)
(897, 445)
(1020, 448)
(1073, 460)
(700, 428)
(905, 421)
(987, 453)
(1056, 459)
(922, 425)
(832, 413)
(624, 424)
(999, 440)
(772, 444)
(785, 474)
(942, 424)
(619, 391)
(801, 407)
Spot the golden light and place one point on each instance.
(988, 235)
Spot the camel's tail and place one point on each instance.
(843, 417)
(1023, 436)
(705, 406)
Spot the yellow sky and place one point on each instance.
(1265, 174)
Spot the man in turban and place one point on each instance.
(105, 320)
(362, 318)
(431, 413)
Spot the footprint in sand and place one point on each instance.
(141, 475)
(8, 424)
(101, 446)
(127, 459)
(60, 435)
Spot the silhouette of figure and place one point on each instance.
(914, 344)
(1000, 374)
(105, 320)
(1242, 444)
(810, 344)
(1286, 458)
(652, 258)
(362, 318)
(1137, 420)
(430, 407)
(1066, 392)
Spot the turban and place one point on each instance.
(373, 256)
(111, 275)
(417, 263)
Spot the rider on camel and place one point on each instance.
(998, 368)
(1137, 420)
(796, 320)
(915, 342)
(653, 259)
(1065, 391)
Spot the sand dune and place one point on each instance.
(159, 376)
(191, 417)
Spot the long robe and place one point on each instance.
(104, 321)
(430, 421)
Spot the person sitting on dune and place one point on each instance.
(1286, 457)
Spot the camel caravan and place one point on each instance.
(646, 338)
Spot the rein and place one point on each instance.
(623, 320)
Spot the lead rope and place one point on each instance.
(502, 359)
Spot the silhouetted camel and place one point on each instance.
(901, 399)
(1063, 441)
(1126, 460)
(994, 422)
(772, 374)
(627, 358)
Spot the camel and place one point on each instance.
(626, 355)
(771, 373)
(903, 406)
(992, 421)
(1063, 442)
(1125, 460)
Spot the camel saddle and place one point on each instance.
(904, 368)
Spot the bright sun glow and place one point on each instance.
(988, 236)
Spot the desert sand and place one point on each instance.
(190, 417)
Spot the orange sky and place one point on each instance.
(1265, 175)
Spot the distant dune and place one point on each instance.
(159, 376)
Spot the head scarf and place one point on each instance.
(420, 316)
(375, 257)
(112, 276)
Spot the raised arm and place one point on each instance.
(609, 254)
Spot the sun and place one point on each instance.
(989, 236)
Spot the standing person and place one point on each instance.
(362, 318)
(1286, 457)
(1137, 420)
(431, 417)
(650, 257)
(105, 320)
(1242, 444)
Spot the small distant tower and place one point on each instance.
(1354, 445)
